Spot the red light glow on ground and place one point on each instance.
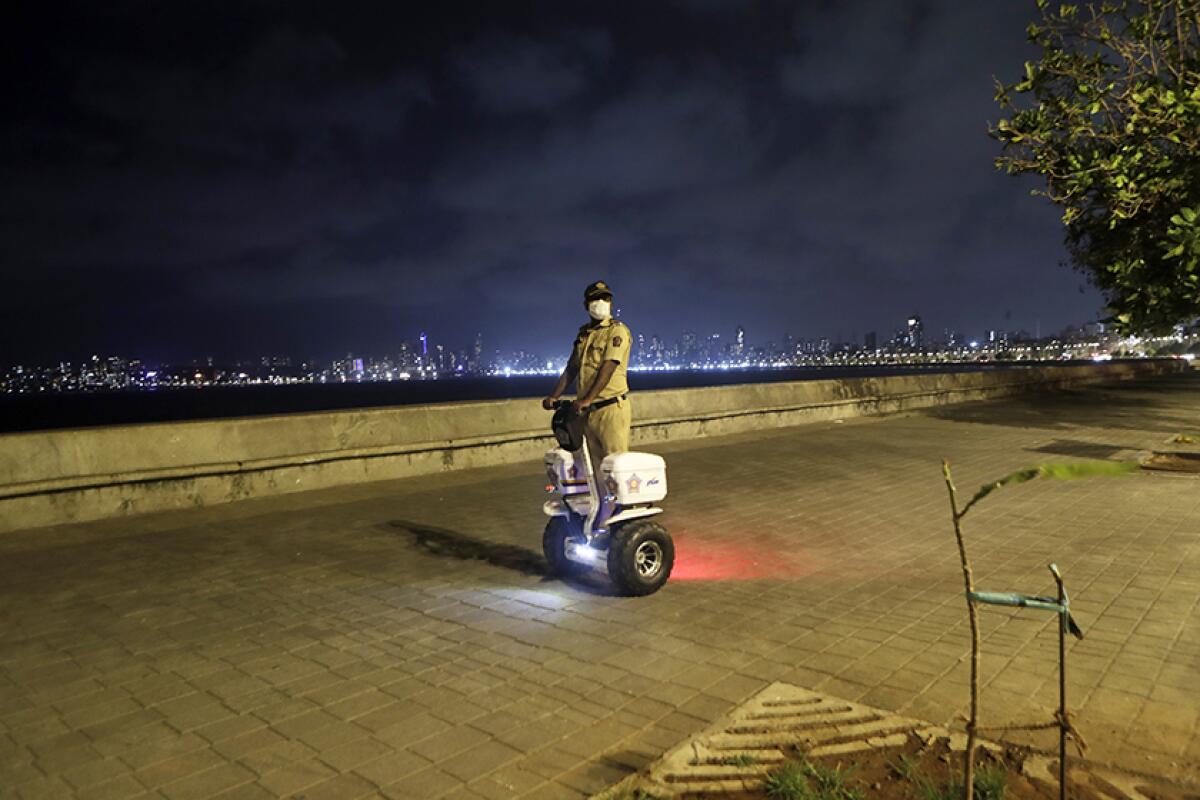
(726, 561)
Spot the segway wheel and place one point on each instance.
(641, 557)
(554, 541)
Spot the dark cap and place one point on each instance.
(595, 290)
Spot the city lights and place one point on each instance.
(426, 360)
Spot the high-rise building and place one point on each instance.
(870, 341)
(657, 349)
(689, 345)
(915, 333)
(712, 347)
(739, 341)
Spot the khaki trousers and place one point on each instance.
(607, 432)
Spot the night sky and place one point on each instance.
(236, 179)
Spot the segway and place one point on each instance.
(603, 522)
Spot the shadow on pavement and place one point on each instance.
(452, 544)
(1141, 406)
(446, 543)
(1078, 449)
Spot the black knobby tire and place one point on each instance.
(554, 548)
(641, 557)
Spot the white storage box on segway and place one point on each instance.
(563, 472)
(635, 478)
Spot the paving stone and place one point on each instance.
(341, 787)
(549, 762)
(412, 729)
(179, 767)
(238, 747)
(537, 734)
(360, 704)
(194, 711)
(554, 791)
(19, 772)
(444, 745)
(278, 756)
(48, 788)
(507, 781)
(245, 791)
(391, 767)
(498, 722)
(207, 783)
(348, 756)
(734, 688)
(319, 730)
(124, 787)
(230, 728)
(150, 744)
(427, 783)
(480, 760)
(93, 772)
(295, 778)
(592, 778)
(60, 759)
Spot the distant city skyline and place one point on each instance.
(424, 358)
(911, 331)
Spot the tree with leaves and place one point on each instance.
(1110, 118)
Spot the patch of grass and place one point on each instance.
(831, 782)
(740, 760)
(803, 780)
(789, 782)
(929, 790)
(991, 782)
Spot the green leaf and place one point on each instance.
(1062, 472)
(1086, 469)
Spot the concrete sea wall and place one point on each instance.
(54, 477)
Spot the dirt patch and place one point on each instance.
(922, 769)
(1173, 462)
(791, 743)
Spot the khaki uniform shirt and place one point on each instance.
(607, 341)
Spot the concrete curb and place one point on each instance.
(57, 477)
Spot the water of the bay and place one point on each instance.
(43, 411)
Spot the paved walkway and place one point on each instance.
(398, 640)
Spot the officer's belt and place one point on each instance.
(609, 401)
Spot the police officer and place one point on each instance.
(599, 360)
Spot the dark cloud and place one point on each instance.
(511, 73)
(339, 178)
(669, 132)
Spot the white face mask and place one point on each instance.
(600, 309)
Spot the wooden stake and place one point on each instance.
(973, 614)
